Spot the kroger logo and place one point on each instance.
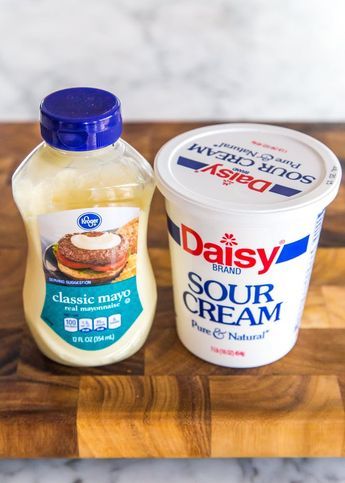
(89, 221)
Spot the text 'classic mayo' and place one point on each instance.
(245, 204)
(84, 195)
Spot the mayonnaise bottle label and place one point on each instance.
(89, 261)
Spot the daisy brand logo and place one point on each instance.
(228, 252)
(229, 177)
(228, 239)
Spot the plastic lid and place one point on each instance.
(80, 119)
(247, 168)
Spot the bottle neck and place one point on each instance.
(117, 146)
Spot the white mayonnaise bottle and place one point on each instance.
(84, 195)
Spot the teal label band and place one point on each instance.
(92, 318)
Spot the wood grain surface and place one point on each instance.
(163, 401)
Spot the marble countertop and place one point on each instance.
(172, 471)
(182, 59)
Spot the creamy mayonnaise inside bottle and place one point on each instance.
(84, 195)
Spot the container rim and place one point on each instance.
(321, 196)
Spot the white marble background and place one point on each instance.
(177, 59)
(174, 471)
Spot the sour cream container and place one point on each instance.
(245, 205)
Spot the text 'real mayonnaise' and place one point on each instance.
(84, 195)
(245, 204)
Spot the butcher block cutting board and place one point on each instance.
(163, 401)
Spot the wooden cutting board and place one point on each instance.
(163, 401)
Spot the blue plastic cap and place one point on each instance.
(81, 119)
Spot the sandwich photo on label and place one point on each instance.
(96, 256)
(129, 231)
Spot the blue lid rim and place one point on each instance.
(63, 129)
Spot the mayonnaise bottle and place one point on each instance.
(84, 195)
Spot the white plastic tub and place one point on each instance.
(245, 205)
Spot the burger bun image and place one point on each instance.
(87, 275)
(130, 233)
